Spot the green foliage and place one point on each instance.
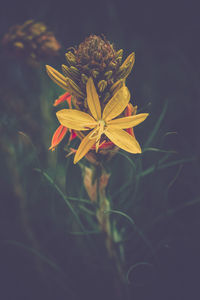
(51, 216)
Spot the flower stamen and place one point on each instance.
(97, 133)
(101, 125)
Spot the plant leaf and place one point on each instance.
(157, 126)
(120, 213)
(64, 197)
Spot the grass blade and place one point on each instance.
(50, 180)
(120, 213)
(157, 126)
(167, 165)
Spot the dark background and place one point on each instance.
(165, 38)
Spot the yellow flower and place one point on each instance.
(103, 123)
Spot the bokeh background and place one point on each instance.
(40, 257)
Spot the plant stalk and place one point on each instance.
(96, 181)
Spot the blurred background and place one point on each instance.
(42, 254)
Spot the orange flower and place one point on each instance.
(58, 136)
(61, 131)
(62, 98)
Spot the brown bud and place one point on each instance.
(108, 74)
(118, 56)
(57, 77)
(102, 85)
(71, 72)
(31, 41)
(74, 89)
(75, 72)
(33, 55)
(94, 73)
(119, 53)
(112, 65)
(134, 110)
(107, 97)
(66, 71)
(97, 56)
(119, 60)
(70, 57)
(84, 78)
(125, 69)
(18, 45)
(29, 37)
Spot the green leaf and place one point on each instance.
(150, 149)
(157, 126)
(120, 213)
(50, 180)
(136, 228)
(36, 253)
(164, 166)
(135, 266)
(133, 169)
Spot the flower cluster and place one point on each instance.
(98, 99)
(31, 40)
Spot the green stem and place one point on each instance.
(99, 181)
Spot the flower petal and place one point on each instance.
(57, 77)
(63, 98)
(58, 136)
(123, 140)
(117, 104)
(64, 82)
(93, 99)
(75, 119)
(73, 135)
(127, 122)
(130, 110)
(85, 145)
(129, 61)
(127, 66)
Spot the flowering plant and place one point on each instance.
(96, 109)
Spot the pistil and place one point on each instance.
(97, 133)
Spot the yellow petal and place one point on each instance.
(85, 145)
(127, 122)
(129, 61)
(75, 119)
(123, 140)
(126, 67)
(93, 99)
(74, 89)
(64, 82)
(117, 104)
(57, 77)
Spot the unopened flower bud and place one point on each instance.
(70, 57)
(102, 85)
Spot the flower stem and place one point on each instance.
(96, 180)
